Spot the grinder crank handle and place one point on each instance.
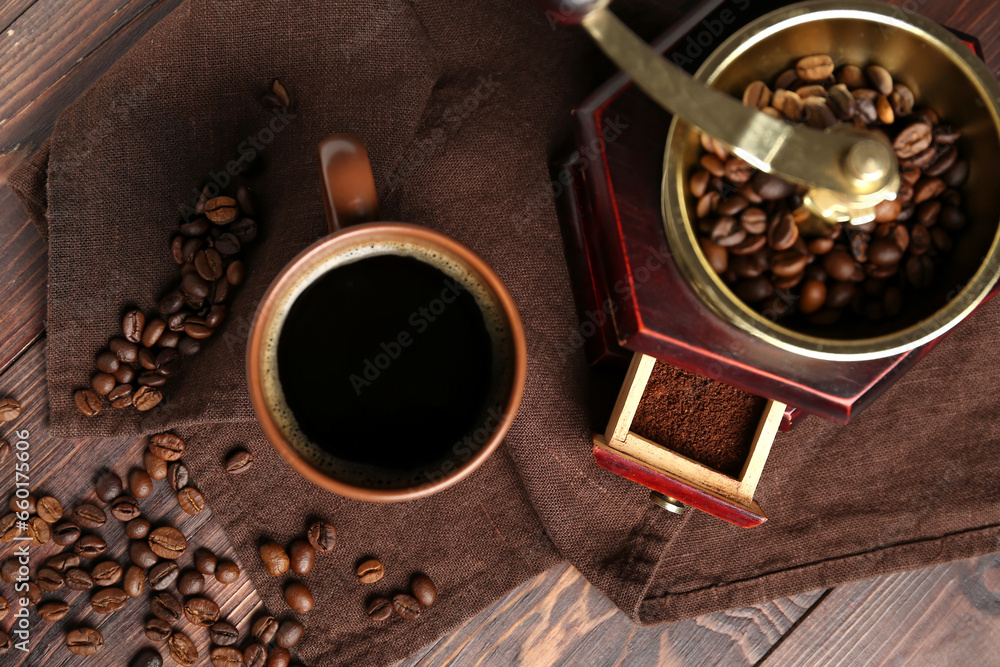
(848, 173)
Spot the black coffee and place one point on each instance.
(386, 361)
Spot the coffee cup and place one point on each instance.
(386, 361)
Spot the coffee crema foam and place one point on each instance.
(357, 474)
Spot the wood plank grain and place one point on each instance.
(51, 65)
(23, 266)
(560, 619)
(10, 10)
(65, 469)
(944, 615)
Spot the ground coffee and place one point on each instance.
(699, 418)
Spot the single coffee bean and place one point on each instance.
(224, 633)
(264, 629)
(190, 582)
(125, 508)
(65, 533)
(167, 542)
(942, 241)
(87, 402)
(205, 561)
(171, 303)
(176, 323)
(196, 328)
(227, 245)
(169, 340)
(191, 500)
(90, 546)
(244, 229)
(916, 138)
(226, 656)
(219, 292)
(717, 256)
(141, 554)
(371, 571)
(814, 68)
(10, 409)
(920, 240)
(9, 570)
(245, 197)
(423, 588)
(108, 486)
(10, 528)
(39, 531)
(135, 581)
(147, 658)
(27, 504)
(182, 649)
(379, 609)
(884, 109)
(89, 515)
(132, 325)
(235, 273)
(168, 361)
(4, 608)
(771, 187)
(239, 462)
(107, 573)
(126, 351)
(121, 396)
(275, 559)
(255, 655)
(302, 557)
(33, 594)
(78, 580)
(158, 630)
(757, 94)
(84, 641)
(209, 265)
(188, 346)
(147, 359)
(107, 362)
(152, 379)
(108, 600)
(146, 398)
(177, 248)
(289, 633)
(885, 252)
(196, 227)
(278, 657)
(49, 580)
(163, 575)
(177, 475)
(226, 572)
(103, 383)
(880, 79)
(53, 610)
(167, 607)
(322, 535)
(299, 597)
(221, 210)
(167, 446)
(928, 188)
(63, 562)
(201, 611)
(406, 606)
(920, 270)
(216, 315)
(140, 484)
(155, 466)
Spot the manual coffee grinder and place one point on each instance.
(644, 287)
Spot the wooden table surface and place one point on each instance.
(50, 52)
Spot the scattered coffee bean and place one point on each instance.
(371, 571)
(191, 500)
(190, 582)
(9, 570)
(147, 657)
(6, 642)
(275, 560)
(289, 633)
(64, 561)
(135, 581)
(226, 572)
(140, 484)
(132, 325)
(177, 475)
(166, 607)
(255, 655)
(167, 446)
(49, 580)
(205, 561)
(221, 210)
(423, 590)
(224, 633)
(108, 600)
(84, 641)
(322, 535)
(278, 657)
(299, 597)
(226, 656)
(65, 533)
(157, 630)
(49, 509)
(53, 610)
(138, 528)
(141, 554)
(107, 573)
(168, 542)
(87, 402)
(90, 546)
(201, 611)
(39, 531)
(163, 575)
(78, 580)
(155, 466)
(33, 594)
(10, 409)
(125, 508)
(108, 486)
(103, 383)
(302, 557)
(182, 649)
(239, 462)
(406, 606)
(146, 398)
(27, 504)
(264, 629)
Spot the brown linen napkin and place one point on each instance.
(460, 104)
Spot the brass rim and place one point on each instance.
(684, 241)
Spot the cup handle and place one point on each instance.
(346, 180)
